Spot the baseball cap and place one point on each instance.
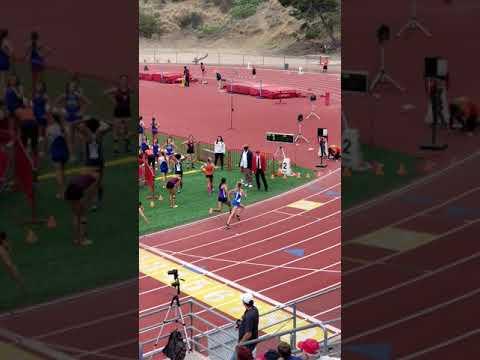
(247, 298)
(310, 346)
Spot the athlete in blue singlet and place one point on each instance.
(37, 57)
(73, 103)
(39, 107)
(156, 150)
(222, 197)
(169, 152)
(237, 207)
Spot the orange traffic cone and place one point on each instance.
(347, 172)
(51, 223)
(402, 171)
(31, 237)
(379, 170)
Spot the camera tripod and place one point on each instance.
(382, 75)
(299, 137)
(176, 308)
(312, 112)
(413, 23)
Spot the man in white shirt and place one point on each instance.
(246, 165)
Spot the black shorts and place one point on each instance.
(209, 177)
(190, 150)
(224, 201)
(179, 173)
(170, 185)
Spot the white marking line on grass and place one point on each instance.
(415, 315)
(425, 180)
(441, 345)
(272, 252)
(235, 285)
(423, 212)
(242, 221)
(185, 252)
(276, 197)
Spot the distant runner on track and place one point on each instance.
(237, 208)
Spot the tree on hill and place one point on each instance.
(316, 12)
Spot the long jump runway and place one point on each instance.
(282, 249)
(427, 270)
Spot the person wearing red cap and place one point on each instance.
(244, 353)
(309, 347)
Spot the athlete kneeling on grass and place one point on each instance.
(172, 186)
(222, 197)
(81, 193)
(237, 208)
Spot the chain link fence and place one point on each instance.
(307, 62)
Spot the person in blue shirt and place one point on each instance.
(222, 198)
(74, 104)
(36, 54)
(40, 110)
(236, 195)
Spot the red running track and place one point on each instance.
(203, 111)
(253, 252)
(434, 285)
(81, 325)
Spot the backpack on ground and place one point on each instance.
(176, 348)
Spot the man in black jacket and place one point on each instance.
(246, 165)
(248, 325)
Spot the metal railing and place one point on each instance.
(162, 56)
(214, 334)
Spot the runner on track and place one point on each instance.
(237, 208)
(222, 197)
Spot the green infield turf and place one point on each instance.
(363, 186)
(53, 266)
(194, 201)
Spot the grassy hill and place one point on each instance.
(277, 26)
